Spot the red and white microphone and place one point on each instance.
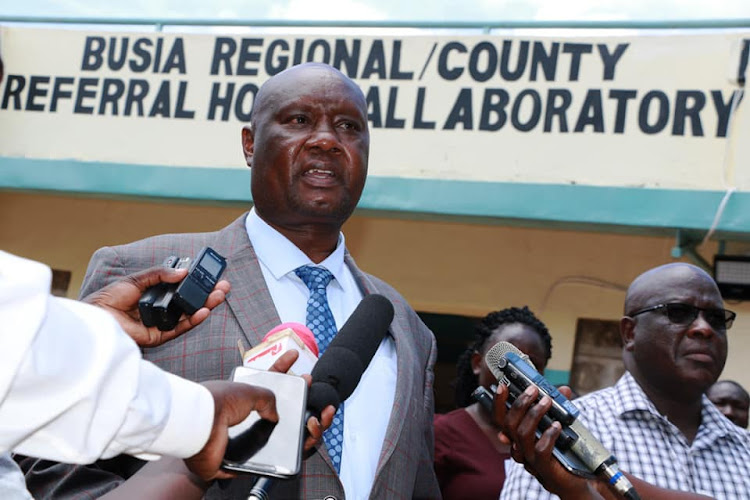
(283, 338)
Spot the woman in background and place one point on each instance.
(469, 458)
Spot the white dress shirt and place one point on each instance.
(368, 410)
(12, 482)
(73, 385)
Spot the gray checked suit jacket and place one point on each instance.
(209, 351)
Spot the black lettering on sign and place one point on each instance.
(137, 91)
(419, 122)
(375, 63)
(321, 48)
(461, 112)
(723, 109)
(85, 91)
(390, 119)
(275, 64)
(444, 71)
(591, 112)
(112, 91)
(536, 110)
(92, 53)
(161, 105)
(242, 110)
(557, 110)
(521, 60)
(610, 60)
(687, 106)
(180, 111)
(374, 113)
(547, 61)
(224, 49)
(58, 92)
(249, 56)
(622, 97)
(143, 54)
(221, 100)
(13, 88)
(37, 88)
(345, 60)
(576, 50)
(396, 72)
(176, 58)
(662, 112)
(486, 51)
(494, 103)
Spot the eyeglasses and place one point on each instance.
(684, 314)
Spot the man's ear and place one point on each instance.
(627, 332)
(248, 144)
(476, 363)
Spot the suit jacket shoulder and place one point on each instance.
(113, 262)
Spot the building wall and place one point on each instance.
(440, 267)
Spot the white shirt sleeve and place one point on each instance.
(74, 387)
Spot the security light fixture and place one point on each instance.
(732, 274)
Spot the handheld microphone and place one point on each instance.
(576, 448)
(283, 338)
(340, 367)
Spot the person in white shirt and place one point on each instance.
(74, 387)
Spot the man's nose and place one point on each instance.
(324, 137)
(701, 327)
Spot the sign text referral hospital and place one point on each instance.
(478, 84)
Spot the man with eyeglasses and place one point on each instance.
(656, 419)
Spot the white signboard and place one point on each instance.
(626, 111)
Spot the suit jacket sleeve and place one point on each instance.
(104, 268)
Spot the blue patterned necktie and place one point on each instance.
(320, 320)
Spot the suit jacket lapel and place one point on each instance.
(249, 298)
(404, 378)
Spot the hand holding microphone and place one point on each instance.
(539, 411)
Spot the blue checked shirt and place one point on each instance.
(648, 446)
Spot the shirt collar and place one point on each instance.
(281, 256)
(628, 397)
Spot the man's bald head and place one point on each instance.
(673, 345)
(291, 79)
(660, 280)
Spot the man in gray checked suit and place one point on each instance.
(307, 145)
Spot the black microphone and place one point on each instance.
(576, 448)
(340, 367)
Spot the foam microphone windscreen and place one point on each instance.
(339, 369)
(497, 351)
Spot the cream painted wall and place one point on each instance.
(441, 267)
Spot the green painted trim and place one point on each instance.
(557, 377)
(564, 205)
(484, 25)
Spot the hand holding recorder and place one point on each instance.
(121, 300)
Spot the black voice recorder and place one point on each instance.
(163, 304)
